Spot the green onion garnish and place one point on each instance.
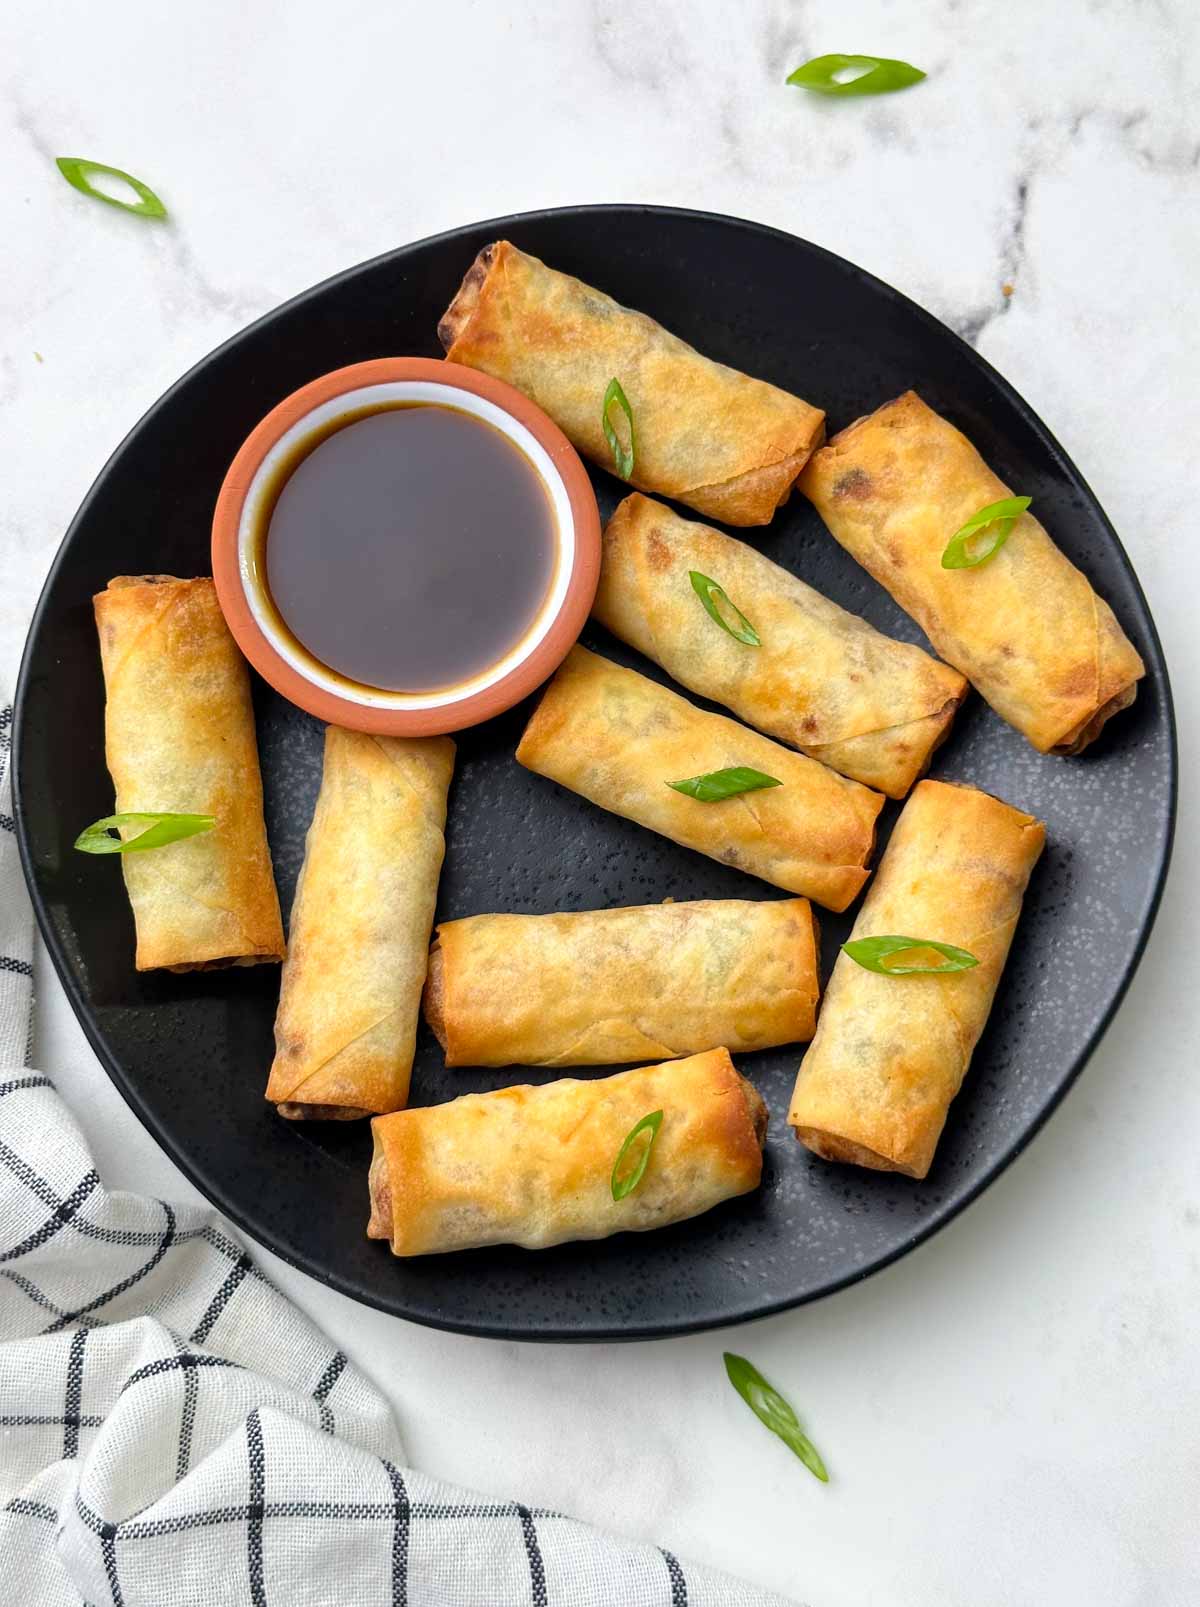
(887, 956)
(874, 75)
(992, 525)
(719, 784)
(769, 1406)
(622, 459)
(162, 829)
(642, 1134)
(75, 169)
(710, 594)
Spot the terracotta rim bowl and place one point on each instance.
(274, 652)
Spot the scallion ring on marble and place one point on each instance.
(908, 956)
(874, 75)
(161, 830)
(720, 784)
(623, 456)
(639, 1138)
(77, 171)
(710, 594)
(769, 1406)
(984, 534)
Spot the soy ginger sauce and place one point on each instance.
(408, 548)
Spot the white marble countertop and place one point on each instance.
(1011, 1412)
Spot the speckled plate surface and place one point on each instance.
(190, 1053)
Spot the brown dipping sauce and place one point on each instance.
(408, 548)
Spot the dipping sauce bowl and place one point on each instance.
(358, 539)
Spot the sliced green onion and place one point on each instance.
(719, 784)
(76, 170)
(992, 526)
(622, 459)
(162, 829)
(887, 956)
(769, 1406)
(648, 1126)
(876, 75)
(710, 594)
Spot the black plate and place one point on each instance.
(190, 1053)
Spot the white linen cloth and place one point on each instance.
(173, 1431)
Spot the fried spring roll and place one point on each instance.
(179, 739)
(359, 940)
(603, 986)
(727, 445)
(1025, 627)
(821, 678)
(891, 1051)
(619, 739)
(533, 1166)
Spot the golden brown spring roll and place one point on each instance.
(359, 939)
(179, 738)
(602, 986)
(1025, 627)
(891, 1051)
(822, 679)
(619, 739)
(533, 1166)
(725, 444)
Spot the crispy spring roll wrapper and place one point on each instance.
(179, 738)
(618, 739)
(604, 986)
(359, 941)
(891, 1051)
(1025, 628)
(822, 679)
(533, 1166)
(724, 443)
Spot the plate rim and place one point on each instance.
(590, 1332)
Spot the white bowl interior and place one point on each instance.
(317, 422)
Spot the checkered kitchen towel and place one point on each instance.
(151, 1453)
